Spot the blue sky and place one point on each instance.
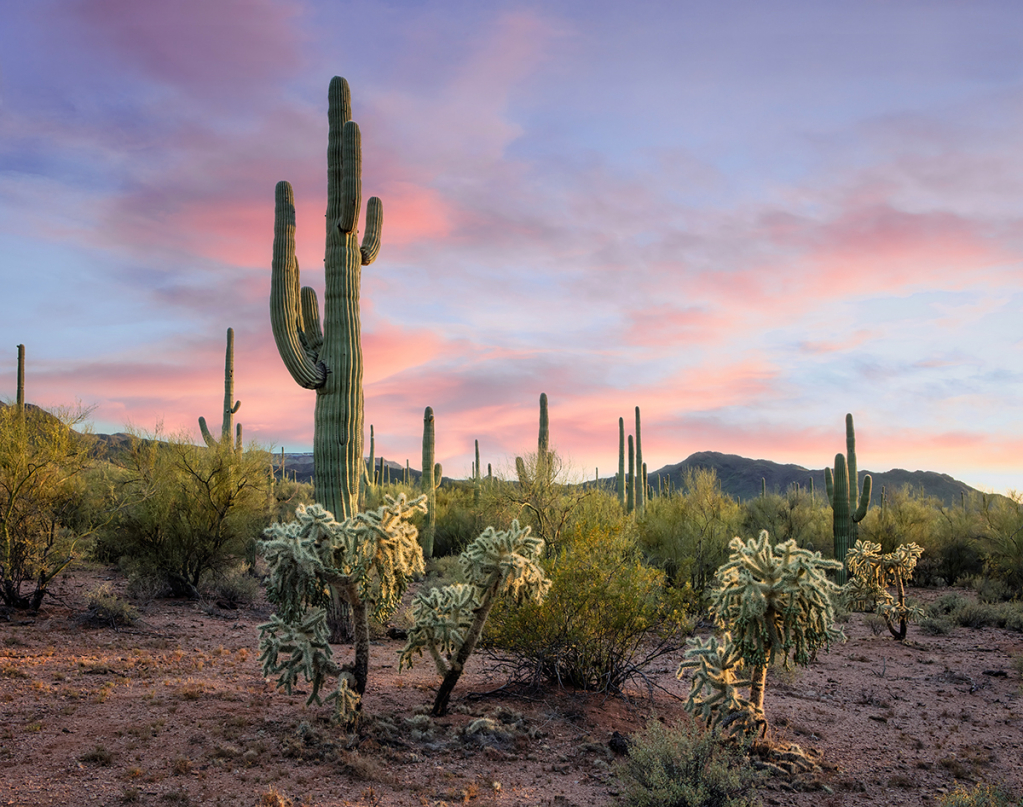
(747, 218)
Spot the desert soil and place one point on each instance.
(174, 711)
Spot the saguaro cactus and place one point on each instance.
(230, 405)
(21, 380)
(450, 620)
(430, 480)
(842, 487)
(640, 490)
(621, 461)
(329, 361)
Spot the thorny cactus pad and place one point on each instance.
(773, 601)
(874, 572)
(368, 560)
(450, 620)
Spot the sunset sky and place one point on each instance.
(747, 217)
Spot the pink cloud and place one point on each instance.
(212, 50)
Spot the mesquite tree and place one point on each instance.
(368, 560)
(873, 572)
(450, 620)
(772, 601)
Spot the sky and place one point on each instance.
(747, 218)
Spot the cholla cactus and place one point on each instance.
(368, 560)
(717, 667)
(874, 573)
(449, 620)
(773, 601)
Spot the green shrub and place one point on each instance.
(685, 766)
(106, 608)
(936, 625)
(687, 533)
(980, 796)
(187, 512)
(606, 617)
(989, 589)
(235, 588)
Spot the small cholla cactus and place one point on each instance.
(772, 601)
(367, 560)
(450, 620)
(874, 573)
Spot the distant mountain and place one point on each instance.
(743, 478)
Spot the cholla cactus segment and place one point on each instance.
(874, 572)
(450, 620)
(508, 561)
(776, 599)
(305, 644)
(717, 676)
(368, 559)
(346, 700)
(442, 618)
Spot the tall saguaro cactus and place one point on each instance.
(430, 482)
(21, 381)
(329, 360)
(641, 468)
(843, 491)
(621, 461)
(230, 405)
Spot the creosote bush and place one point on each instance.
(685, 765)
(608, 614)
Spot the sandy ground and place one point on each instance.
(174, 711)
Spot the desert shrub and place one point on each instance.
(1004, 540)
(187, 512)
(977, 615)
(43, 501)
(980, 795)
(685, 766)
(989, 589)
(106, 608)
(235, 588)
(936, 625)
(947, 604)
(954, 545)
(606, 617)
(687, 533)
(796, 515)
(904, 515)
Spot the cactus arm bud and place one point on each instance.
(374, 225)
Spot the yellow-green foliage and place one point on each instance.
(368, 559)
(874, 572)
(607, 615)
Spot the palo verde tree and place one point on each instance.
(874, 572)
(450, 620)
(42, 459)
(368, 560)
(769, 602)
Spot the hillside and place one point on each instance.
(743, 478)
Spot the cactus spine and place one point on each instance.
(329, 361)
(842, 487)
(231, 406)
(429, 483)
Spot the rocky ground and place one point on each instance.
(173, 711)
